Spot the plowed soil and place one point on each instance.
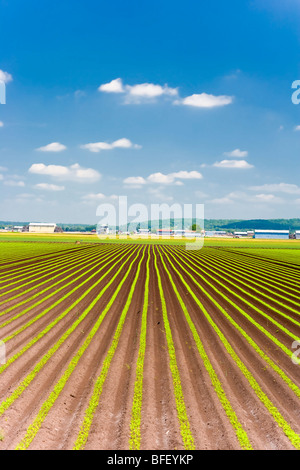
(40, 303)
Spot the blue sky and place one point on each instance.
(164, 102)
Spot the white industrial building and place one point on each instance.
(240, 234)
(143, 231)
(103, 229)
(297, 234)
(215, 233)
(18, 228)
(273, 234)
(41, 227)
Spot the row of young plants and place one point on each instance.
(242, 295)
(264, 268)
(266, 281)
(187, 271)
(21, 273)
(12, 253)
(60, 384)
(264, 399)
(45, 275)
(93, 277)
(40, 294)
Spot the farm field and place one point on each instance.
(148, 345)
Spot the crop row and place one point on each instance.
(202, 298)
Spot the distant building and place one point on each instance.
(103, 229)
(240, 234)
(41, 227)
(167, 232)
(18, 228)
(215, 233)
(143, 231)
(297, 234)
(179, 232)
(272, 234)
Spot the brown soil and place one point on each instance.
(160, 427)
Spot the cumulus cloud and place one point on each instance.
(278, 188)
(222, 200)
(1, 123)
(14, 183)
(267, 198)
(161, 178)
(53, 147)
(204, 100)
(5, 77)
(236, 164)
(73, 173)
(297, 128)
(99, 146)
(49, 187)
(171, 177)
(115, 86)
(237, 153)
(135, 181)
(149, 92)
(187, 175)
(141, 92)
(96, 197)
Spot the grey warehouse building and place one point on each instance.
(273, 234)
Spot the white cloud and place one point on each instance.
(1, 177)
(135, 181)
(222, 200)
(139, 93)
(53, 147)
(5, 77)
(3, 168)
(73, 173)
(171, 177)
(158, 194)
(14, 183)
(236, 164)
(150, 90)
(237, 153)
(278, 188)
(95, 197)
(204, 100)
(1, 123)
(297, 128)
(187, 175)
(267, 198)
(120, 143)
(49, 187)
(115, 86)
(160, 178)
